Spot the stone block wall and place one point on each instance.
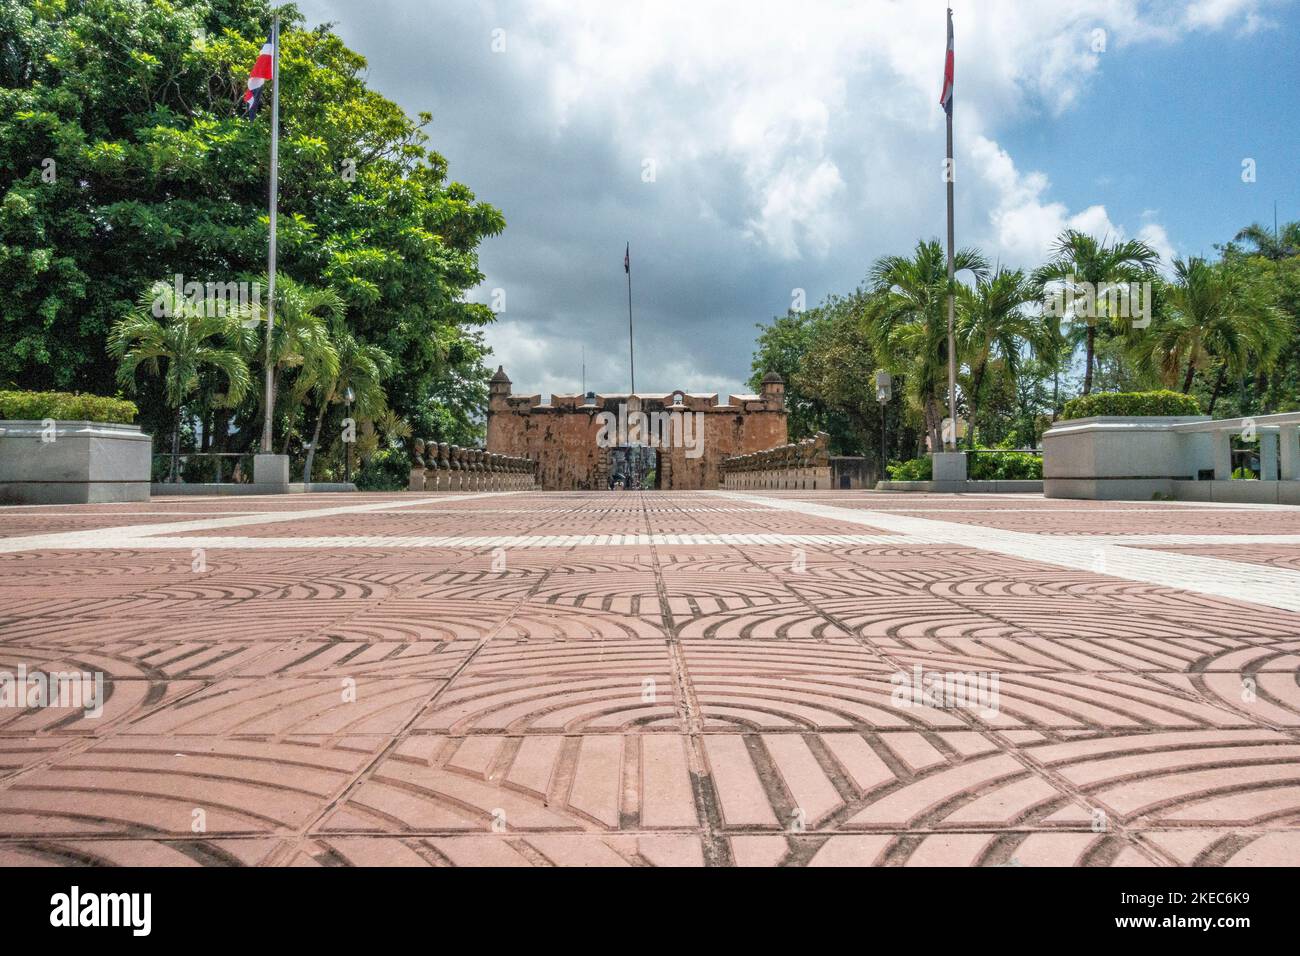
(438, 466)
(802, 466)
(570, 441)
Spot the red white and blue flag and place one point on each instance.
(945, 98)
(263, 70)
(627, 259)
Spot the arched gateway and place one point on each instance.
(580, 442)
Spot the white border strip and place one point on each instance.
(1238, 581)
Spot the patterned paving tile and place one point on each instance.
(535, 783)
(279, 706)
(149, 786)
(653, 680)
(41, 851)
(548, 849)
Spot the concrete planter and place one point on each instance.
(73, 463)
(1122, 458)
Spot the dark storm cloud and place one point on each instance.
(794, 145)
(572, 197)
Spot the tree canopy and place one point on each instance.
(1226, 333)
(124, 161)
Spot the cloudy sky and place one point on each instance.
(751, 149)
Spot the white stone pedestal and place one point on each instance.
(948, 466)
(271, 472)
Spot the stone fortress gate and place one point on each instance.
(582, 442)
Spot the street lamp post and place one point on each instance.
(349, 396)
(884, 391)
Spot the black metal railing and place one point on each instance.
(204, 467)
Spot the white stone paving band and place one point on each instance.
(1254, 583)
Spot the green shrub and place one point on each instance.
(918, 469)
(1004, 466)
(388, 469)
(985, 466)
(1131, 404)
(1245, 473)
(66, 407)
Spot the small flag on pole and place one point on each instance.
(263, 69)
(945, 98)
(627, 259)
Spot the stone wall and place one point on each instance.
(437, 466)
(565, 437)
(853, 472)
(802, 466)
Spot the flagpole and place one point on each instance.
(267, 441)
(952, 340)
(631, 348)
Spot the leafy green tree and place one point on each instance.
(1276, 388)
(360, 372)
(1214, 317)
(828, 359)
(1272, 245)
(301, 346)
(450, 407)
(838, 372)
(993, 328)
(1079, 258)
(189, 337)
(386, 430)
(782, 345)
(1036, 400)
(1281, 390)
(153, 173)
(908, 316)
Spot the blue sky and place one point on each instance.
(793, 144)
(1185, 116)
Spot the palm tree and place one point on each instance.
(1270, 244)
(992, 327)
(361, 368)
(191, 337)
(1079, 258)
(383, 430)
(1213, 315)
(300, 340)
(907, 314)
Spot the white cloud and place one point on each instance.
(1024, 224)
(1155, 236)
(1217, 14)
(793, 143)
(768, 91)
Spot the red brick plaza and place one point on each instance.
(663, 678)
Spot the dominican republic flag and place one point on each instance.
(945, 98)
(263, 70)
(627, 259)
